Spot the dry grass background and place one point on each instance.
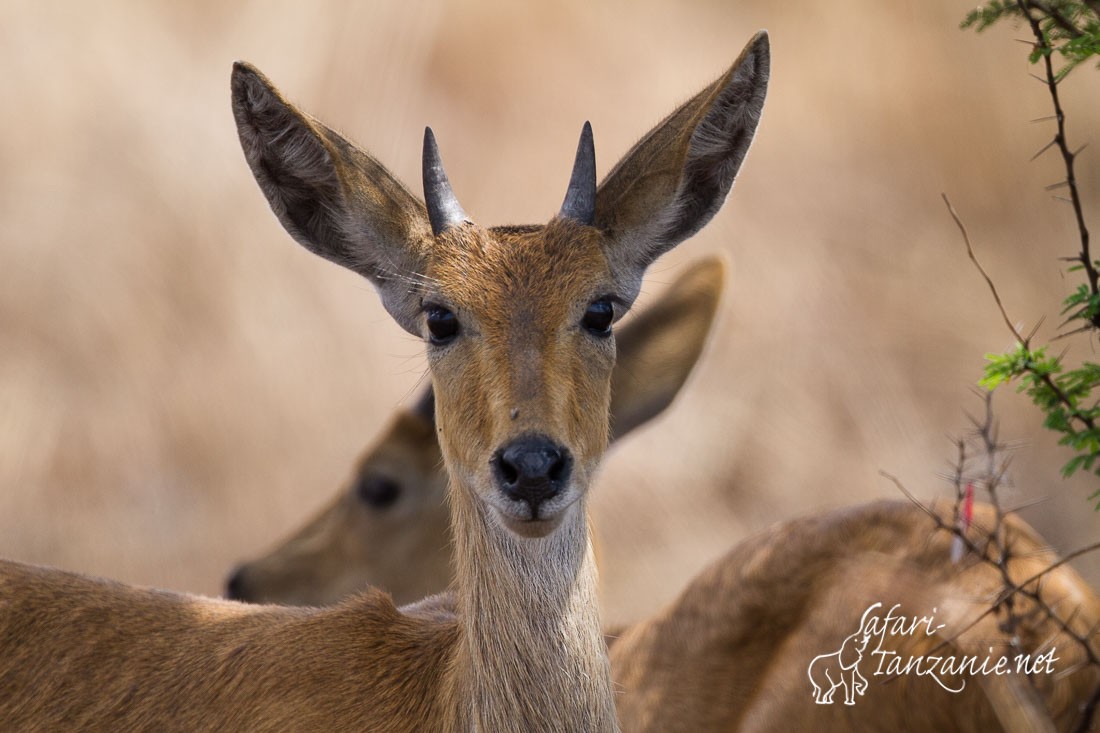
(180, 384)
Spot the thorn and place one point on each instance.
(973, 420)
(1078, 150)
(1043, 119)
(1064, 200)
(1038, 78)
(1044, 149)
(1054, 186)
(1074, 332)
(1035, 329)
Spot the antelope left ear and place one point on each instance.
(676, 178)
(332, 197)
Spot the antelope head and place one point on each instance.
(518, 321)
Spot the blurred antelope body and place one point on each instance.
(518, 325)
(733, 651)
(388, 527)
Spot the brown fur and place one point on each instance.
(732, 652)
(405, 548)
(525, 650)
(93, 655)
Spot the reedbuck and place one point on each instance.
(518, 326)
(389, 526)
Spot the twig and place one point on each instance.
(977, 264)
(1024, 341)
(1068, 156)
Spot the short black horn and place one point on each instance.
(580, 197)
(444, 211)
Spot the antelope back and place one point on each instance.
(735, 649)
(388, 526)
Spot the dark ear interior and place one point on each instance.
(674, 180)
(332, 197)
(719, 143)
(291, 163)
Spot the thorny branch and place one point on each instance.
(1054, 14)
(988, 280)
(1068, 156)
(989, 545)
(1024, 341)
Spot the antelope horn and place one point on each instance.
(580, 197)
(444, 211)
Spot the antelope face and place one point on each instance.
(388, 526)
(518, 325)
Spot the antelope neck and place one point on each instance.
(531, 651)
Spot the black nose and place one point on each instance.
(532, 468)
(235, 585)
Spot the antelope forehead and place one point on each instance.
(543, 270)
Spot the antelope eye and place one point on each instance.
(442, 324)
(378, 492)
(597, 319)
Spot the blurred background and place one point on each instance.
(181, 384)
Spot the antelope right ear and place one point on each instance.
(332, 197)
(658, 349)
(676, 178)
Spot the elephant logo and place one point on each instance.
(827, 672)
